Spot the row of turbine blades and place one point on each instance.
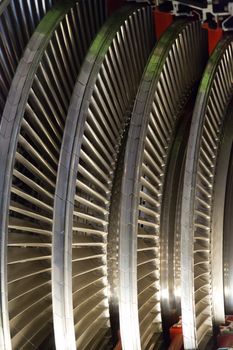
(115, 178)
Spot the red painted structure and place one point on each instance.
(176, 343)
(214, 35)
(176, 336)
(225, 336)
(162, 20)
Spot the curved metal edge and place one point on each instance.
(113, 241)
(228, 237)
(64, 206)
(170, 302)
(217, 252)
(66, 182)
(4, 6)
(9, 132)
(129, 322)
(187, 262)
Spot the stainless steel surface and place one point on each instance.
(172, 70)
(30, 139)
(110, 225)
(99, 110)
(227, 153)
(113, 241)
(18, 20)
(170, 267)
(203, 202)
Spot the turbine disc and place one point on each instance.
(99, 111)
(34, 117)
(203, 201)
(154, 141)
(116, 178)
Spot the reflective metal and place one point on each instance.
(99, 238)
(147, 246)
(227, 156)
(30, 140)
(203, 202)
(18, 20)
(87, 191)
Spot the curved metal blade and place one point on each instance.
(18, 20)
(172, 71)
(31, 135)
(203, 203)
(99, 111)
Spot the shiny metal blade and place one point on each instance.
(34, 117)
(152, 186)
(88, 190)
(202, 218)
(18, 20)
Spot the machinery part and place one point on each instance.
(218, 10)
(203, 202)
(18, 20)
(30, 139)
(172, 71)
(227, 155)
(170, 221)
(214, 36)
(162, 20)
(98, 114)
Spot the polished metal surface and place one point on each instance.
(18, 20)
(227, 156)
(98, 114)
(203, 202)
(170, 266)
(116, 171)
(30, 140)
(171, 73)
